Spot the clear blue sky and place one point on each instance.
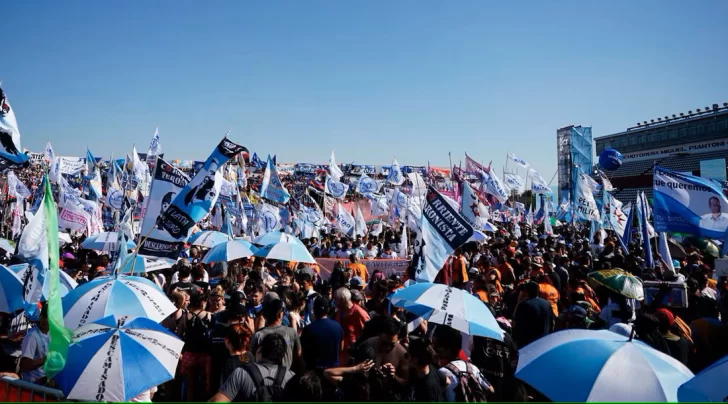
(371, 79)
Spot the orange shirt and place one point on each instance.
(459, 269)
(482, 296)
(360, 270)
(550, 293)
(506, 274)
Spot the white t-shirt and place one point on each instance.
(454, 381)
(611, 320)
(390, 256)
(34, 346)
(370, 253)
(711, 223)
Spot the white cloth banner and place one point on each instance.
(335, 188)
(586, 206)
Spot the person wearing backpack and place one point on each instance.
(263, 381)
(465, 383)
(196, 362)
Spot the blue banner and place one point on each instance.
(689, 204)
(198, 197)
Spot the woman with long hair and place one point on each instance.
(237, 341)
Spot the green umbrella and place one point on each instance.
(619, 281)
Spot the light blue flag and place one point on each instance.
(227, 226)
(155, 147)
(689, 204)
(272, 188)
(199, 196)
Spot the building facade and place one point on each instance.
(695, 143)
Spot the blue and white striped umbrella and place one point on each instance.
(119, 295)
(230, 250)
(208, 238)
(707, 386)
(454, 307)
(115, 359)
(26, 276)
(106, 241)
(587, 366)
(286, 251)
(11, 291)
(276, 237)
(142, 265)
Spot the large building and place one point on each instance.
(575, 153)
(695, 142)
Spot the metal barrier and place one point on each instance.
(22, 391)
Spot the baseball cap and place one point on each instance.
(357, 296)
(321, 304)
(356, 282)
(306, 273)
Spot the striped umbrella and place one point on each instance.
(208, 239)
(28, 276)
(588, 366)
(105, 241)
(707, 386)
(11, 291)
(276, 237)
(115, 359)
(454, 307)
(119, 295)
(619, 281)
(230, 250)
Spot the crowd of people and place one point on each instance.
(262, 330)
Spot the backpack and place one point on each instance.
(263, 393)
(197, 333)
(469, 389)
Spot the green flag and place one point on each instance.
(60, 336)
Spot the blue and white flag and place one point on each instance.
(539, 189)
(90, 162)
(49, 154)
(520, 162)
(529, 216)
(664, 249)
(514, 181)
(16, 188)
(442, 230)
(379, 204)
(345, 222)
(33, 248)
(10, 149)
(689, 204)
(155, 147)
(470, 206)
(335, 188)
(272, 188)
(493, 185)
(547, 229)
(257, 162)
(199, 196)
(643, 218)
(586, 206)
(537, 180)
(395, 176)
(269, 218)
(334, 170)
(367, 185)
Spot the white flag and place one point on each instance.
(395, 176)
(520, 162)
(335, 188)
(586, 206)
(547, 220)
(155, 148)
(493, 185)
(49, 154)
(16, 188)
(344, 220)
(270, 217)
(334, 170)
(360, 225)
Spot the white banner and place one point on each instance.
(71, 219)
(68, 165)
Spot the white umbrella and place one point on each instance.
(228, 251)
(143, 265)
(106, 241)
(286, 251)
(208, 238)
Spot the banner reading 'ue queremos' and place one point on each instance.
(689, 204)
(199, 196)
(442, 230)
(166, 185)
